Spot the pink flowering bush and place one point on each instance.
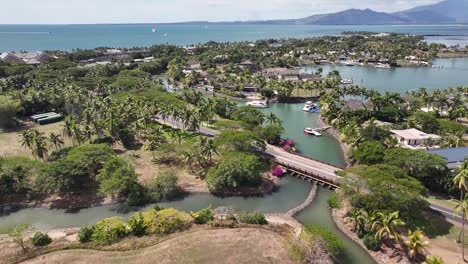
(277, 171)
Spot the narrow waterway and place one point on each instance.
(319, 214)
(324, 148)
(291, 193)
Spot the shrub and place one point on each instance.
(332, 243)
(137, 195)
(236, 169)
(254, 218)
(127, 137)
(223, 224)
(116, 177)
(136, 224)
(109, 230)
(231, 217)
(371, 242)
(203, 216)
(85, 233)
(163, 186)
(165, 221)
(333, 201)
(41, 239)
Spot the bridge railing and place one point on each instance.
(316, 160)
(311, 174)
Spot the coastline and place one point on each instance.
(345, 148)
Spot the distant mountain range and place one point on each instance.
(448, 11)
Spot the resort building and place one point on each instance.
(414, 139)
(454, 156)
(31, 58)
(354, 104)
(249, 66)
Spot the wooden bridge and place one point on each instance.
(306, 168)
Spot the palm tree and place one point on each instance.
(385, 225)
(154, 139)
(415, 244)
(55, 140)
(391, 142)
(207, 148)
(272, 119)
(26, 138)
(461, 181)
(188, 157)
(39, 145)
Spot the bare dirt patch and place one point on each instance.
(243, 245)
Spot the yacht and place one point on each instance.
(258, 104)
(310, 131)
(347, 81)
(383, 66)
(311, 107)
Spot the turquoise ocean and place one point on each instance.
(68, 37)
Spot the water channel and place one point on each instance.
(291, 191)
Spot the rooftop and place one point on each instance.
(453, 155)
(414, 134)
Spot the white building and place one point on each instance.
(413, 138)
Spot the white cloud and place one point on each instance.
(134, 11)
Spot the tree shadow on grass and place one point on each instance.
(432, 223)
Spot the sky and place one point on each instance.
(161, 11)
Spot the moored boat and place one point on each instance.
(383, 66)
(258, 104)
(311, 131)
(311, 107)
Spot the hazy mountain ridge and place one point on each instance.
(448, 11)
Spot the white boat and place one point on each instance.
(349, 63)
(154, 30)
(383, 66)
(311, 107)
(258, 104)
(347, 81)
(311, 131)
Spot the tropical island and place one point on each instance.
(141, 126)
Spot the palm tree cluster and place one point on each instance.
(386, 227)
(38, 143)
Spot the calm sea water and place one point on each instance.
(67, 37)
(450, 73)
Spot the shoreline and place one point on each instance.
(345, 148)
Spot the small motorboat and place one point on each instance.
(347, 81)
(311, 131)
(383, 66)
(258, 104)
(311, 107)
(154, 30)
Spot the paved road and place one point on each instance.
(447, 212)
(316, 167)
